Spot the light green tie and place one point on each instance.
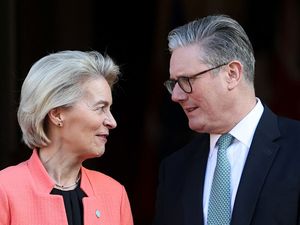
(219, 206)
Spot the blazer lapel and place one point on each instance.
(95, 211)
(193, 187)
(260, 158)
(96, 207)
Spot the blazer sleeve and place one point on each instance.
(126, 215)
(4, 207)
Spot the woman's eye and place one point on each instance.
(102, 108)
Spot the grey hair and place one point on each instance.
(55, 81)
(221, 38)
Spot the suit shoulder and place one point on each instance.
(284, 121)
(198, 143)
(289, 127)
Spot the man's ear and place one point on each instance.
(234, 75)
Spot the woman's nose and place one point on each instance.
(110, 121)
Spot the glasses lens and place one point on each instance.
(185, 85)
(170, 84)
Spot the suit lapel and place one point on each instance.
(259, 161)
(193, 187)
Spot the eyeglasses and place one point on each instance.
(184, 82)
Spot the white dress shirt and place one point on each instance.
(237, 153)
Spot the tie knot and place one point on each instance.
(225, 140)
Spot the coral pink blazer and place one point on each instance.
(25, 198)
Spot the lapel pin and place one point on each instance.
(98, 213)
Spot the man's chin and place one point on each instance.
(196, 127)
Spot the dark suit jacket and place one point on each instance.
(269, 189)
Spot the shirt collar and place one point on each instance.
(244, 130)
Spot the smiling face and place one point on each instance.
(86, 124)
(209, 101)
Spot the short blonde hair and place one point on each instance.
(55, 81)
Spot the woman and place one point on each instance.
(65, 118)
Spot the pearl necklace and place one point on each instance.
(69, 187)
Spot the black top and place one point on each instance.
(73, 204)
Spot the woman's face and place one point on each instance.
(86, 125)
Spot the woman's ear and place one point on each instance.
(234, 76)
(56, 117)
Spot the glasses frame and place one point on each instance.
(170, 84)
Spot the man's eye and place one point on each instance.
(184, 79)
(100, 108)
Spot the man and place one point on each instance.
(212, 78)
